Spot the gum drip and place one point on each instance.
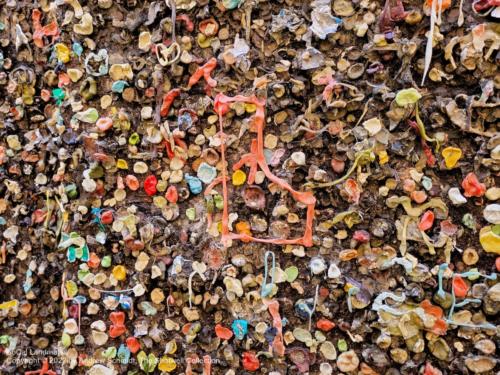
(273, 306)
(253, 159)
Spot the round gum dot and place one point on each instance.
(239, 177)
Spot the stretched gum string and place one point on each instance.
(278, 345)
(168, 99)
(256, 158)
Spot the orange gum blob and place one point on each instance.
(104, 124)
(253, 160)
(40, 31)
(204, 71)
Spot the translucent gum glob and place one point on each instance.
(253, 160)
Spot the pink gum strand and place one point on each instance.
(254, 158)
(273, 306)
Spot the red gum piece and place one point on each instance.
(427, 221)
(472, 187)
(150, 185)
(250, 361)
(431, 370)
(107, 217)
(222, 332)
(486, 4)
(133, 344)
(118, 327)
(460, 287)
(325, 325)
(204, 72)
(171, 195)
(187, 21)
(168, 99)
(43, 371)
(41, 31)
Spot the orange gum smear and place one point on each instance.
(440, 325)
(253, 159)
(41, 31)
(4, 253)
(204, 71)
(273, 306)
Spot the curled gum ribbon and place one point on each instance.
(169, 55)
(254, 159)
